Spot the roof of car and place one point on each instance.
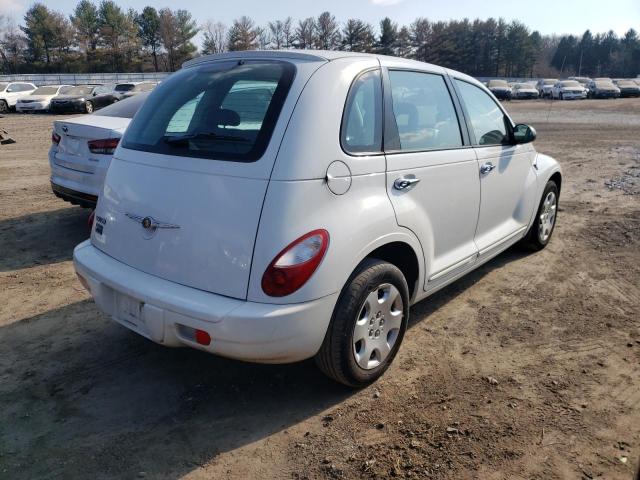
(317, 55)
(326, 56)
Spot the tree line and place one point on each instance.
(105, 38)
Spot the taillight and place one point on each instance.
(55, 138)
(294, 265)
(104, 147)
(91, 219)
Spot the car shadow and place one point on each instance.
(90, 399)
(41, 238)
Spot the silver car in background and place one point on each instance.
(603, 89)
(568, 90)
(545, 86)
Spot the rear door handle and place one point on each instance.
(487, 167)
(406, 182)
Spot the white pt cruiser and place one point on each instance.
(277, 206)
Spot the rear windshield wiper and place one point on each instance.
(180, 139)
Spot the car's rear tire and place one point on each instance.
(88, 107)
(4, 106)
(367, 325)
(542, 227)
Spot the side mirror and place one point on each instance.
(523, 133)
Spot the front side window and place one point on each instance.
(424, 111)
(487, 119)
(362, 119)
(223, 110)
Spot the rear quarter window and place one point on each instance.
(221, 110)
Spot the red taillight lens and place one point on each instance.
(91, 219)
(55, 138)
(294, 265)
(104, 147)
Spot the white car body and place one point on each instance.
(11, 92)
(568, 90)
(180, 244)
(523, 90)
(77, 172)
(39, 102)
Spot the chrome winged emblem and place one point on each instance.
(150, 224)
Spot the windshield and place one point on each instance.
(626, 83)
(550, 81)
(45, 91)
(222, 110)
(522, 86)
(126, 108)
(498, 83)
(604, 84)
(124, 87)
(570, 84)
(80, 91)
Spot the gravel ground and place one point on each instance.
(526, 368)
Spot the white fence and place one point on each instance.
(82, 78)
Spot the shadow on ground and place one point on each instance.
(89, 399)
(41, 238)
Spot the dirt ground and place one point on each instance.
(527, 368)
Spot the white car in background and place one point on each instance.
(11, 92)
(252, 209)
(40, 99)
(523, 91)
(568, 90)
(82, 147)
(545, 86)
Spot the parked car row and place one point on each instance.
(571, 88)
(27, 98)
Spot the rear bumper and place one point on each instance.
(72, 185)
(73, 196)
(168, 313)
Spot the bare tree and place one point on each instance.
(215, 37)
(276, 34)
(287, 32)
(305, 36)
(12, 44)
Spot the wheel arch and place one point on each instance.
(401, 252)
(557, 179)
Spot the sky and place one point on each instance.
(546, 16)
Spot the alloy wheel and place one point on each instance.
(547, 217)
(377, 326)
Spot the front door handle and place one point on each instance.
(486, 168)
(404, 183)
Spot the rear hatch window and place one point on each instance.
(224, 110)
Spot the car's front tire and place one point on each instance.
(4, 106)
(367, 325)
(88, 107)
(542, 227)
